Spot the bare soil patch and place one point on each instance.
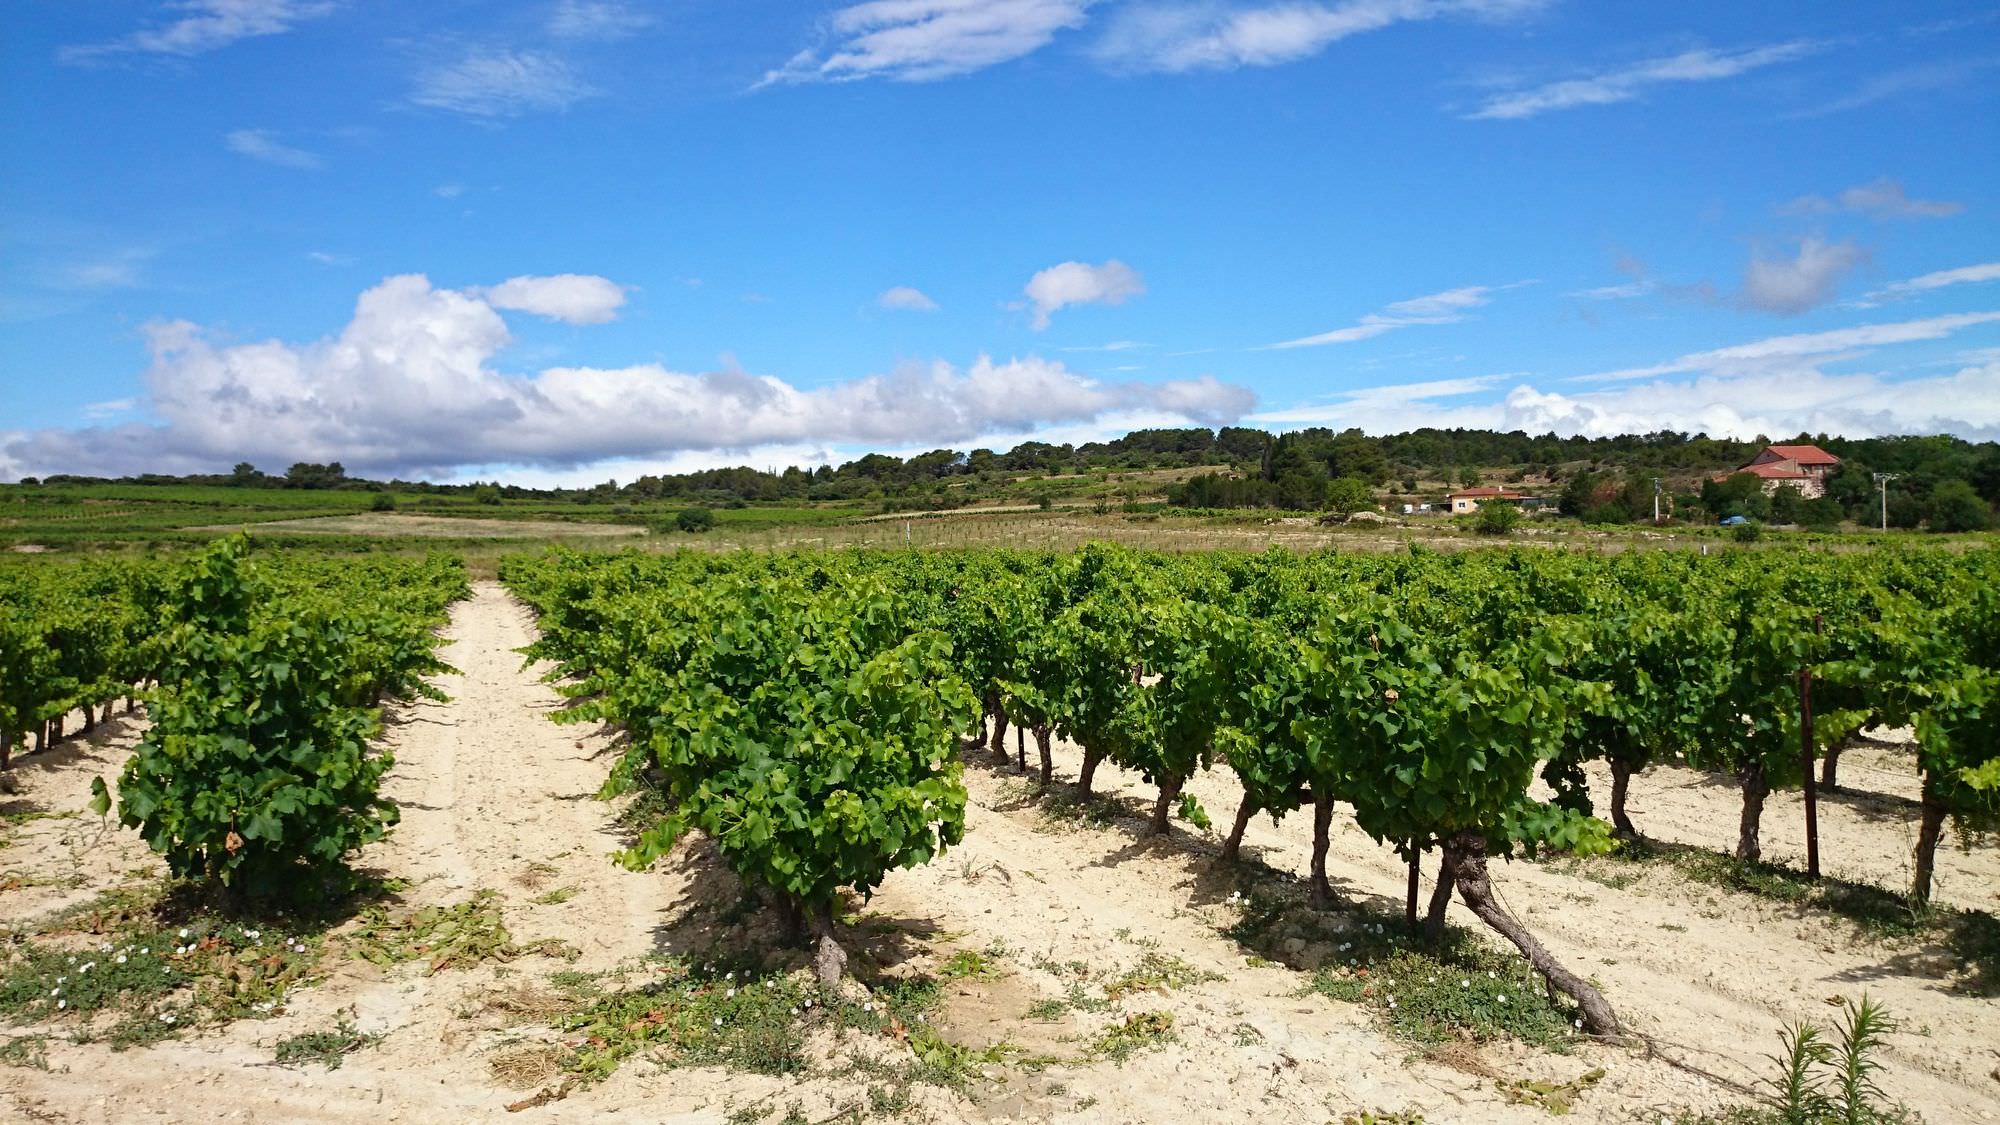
(394, 524)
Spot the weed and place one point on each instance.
(1247, 1036)
(968, 964)
(223, 969)
(448, 937)
(1463, 992)
(1158, 972)
(327, 1048)
(1383, 1117)
(557, 897)
(1141, 1031)
(1820, 1081)
(1555, 1097)
(26, 1051)
(1191, 811)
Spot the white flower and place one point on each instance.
(1503, 998)
(1465, 984)
(166, 1017)
(61, 1004)
(731, 995)
(253, 935)
(718, 1021)
(107, 947)
(184, 933)
(809, 1003)
(87, 966)
(795, 1011)
(1493, 975)
(1579, 1023)
(121, 958)
(869, 1007)
(56, 991)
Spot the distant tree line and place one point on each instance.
(1942, 479)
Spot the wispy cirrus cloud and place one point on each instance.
(1175, 38)
(601, 21)
(263, 144)
(925, 40)
(207, 25)
(1758, 354)
(490, 82)
(1883, 198)
(1446, 307)
(1628, 83)
(1901, 290)
(1929, 78)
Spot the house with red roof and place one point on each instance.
(1804, 467)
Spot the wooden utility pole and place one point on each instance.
(1806, 760)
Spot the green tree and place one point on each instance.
(1956, 506)
(1348, 495)
(694, 520)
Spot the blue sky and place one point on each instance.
(562, 240)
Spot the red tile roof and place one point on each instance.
(1772, 470)
(1803, 454)
(1486, 492)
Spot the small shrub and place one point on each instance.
(327, 1048)
(382, 502)
(1497, 519)
(1748, 532)
(694, 520)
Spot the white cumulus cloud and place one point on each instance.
(924, 40)
(1792, 284)
(904, 298)
(573, 298)
(1625, 84)
(409, 386)
(1080, 283)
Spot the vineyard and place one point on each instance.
(832, 731)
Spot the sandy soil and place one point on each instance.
(489, 787)
(437, 527)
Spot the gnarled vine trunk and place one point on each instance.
(1930, 826)
(1048, 759)
(1465, 858)
(1621, 782)
(1829, 768)
(1440, 903)
(1755, 789)
(1322, 891)
(829, 959)
(1232, 848)
(1021, 748)
(1089, 770)
(1170, 790)
(1416, 863)
(6, 749)
(999, 742)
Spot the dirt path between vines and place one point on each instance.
(495, 797)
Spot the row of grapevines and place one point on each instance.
(1423, 691)
(255, 770)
